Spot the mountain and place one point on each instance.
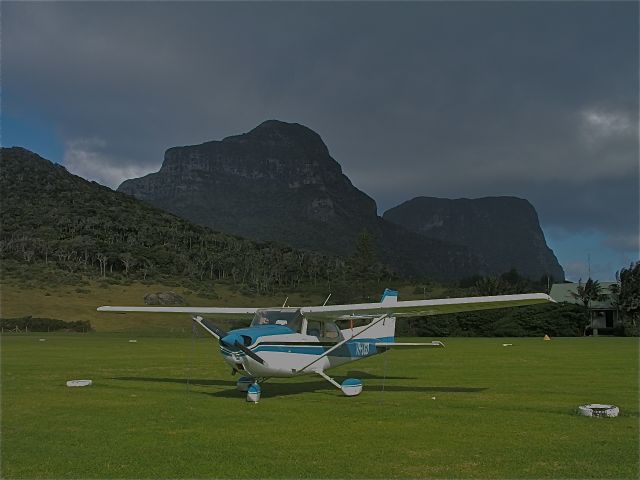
(503, 230)
(278, 182)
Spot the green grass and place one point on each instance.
(167, 407)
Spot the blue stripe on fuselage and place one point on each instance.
(353, 348)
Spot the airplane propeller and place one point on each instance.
(232, 340)
(214, 329)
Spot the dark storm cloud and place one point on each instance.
(538, 100)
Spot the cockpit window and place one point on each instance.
(327, 331)
(331, 331)
(286, 318)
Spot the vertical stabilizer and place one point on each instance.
(389, 297)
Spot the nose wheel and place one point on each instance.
(251, 386)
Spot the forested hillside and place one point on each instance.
(51, 218)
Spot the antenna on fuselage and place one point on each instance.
(325, 302)
(285, 302)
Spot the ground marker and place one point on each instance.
(598, 410)
(79, 383)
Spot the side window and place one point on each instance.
(295, 324)
(331, 331)
(314, 328)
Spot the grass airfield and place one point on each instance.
(166, 407)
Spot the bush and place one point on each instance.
(558, 320)
(44, 324)
(208, 295)
(629, 328)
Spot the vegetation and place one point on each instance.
(510, 282)
(168, 408)
(53, 218)
(628, 298)
(588, 293)
(564, 320)
(30, 324)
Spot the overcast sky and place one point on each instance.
(537, 100)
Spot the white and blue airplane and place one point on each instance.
(294, 341)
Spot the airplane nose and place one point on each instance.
(232, 338)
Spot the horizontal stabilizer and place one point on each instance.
(434, 344)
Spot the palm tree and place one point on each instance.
(587, 293)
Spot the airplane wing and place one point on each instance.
(202, 310)
(389, 304)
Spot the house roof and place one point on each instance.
(562, 292)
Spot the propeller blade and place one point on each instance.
(210, 327)
(249, 353)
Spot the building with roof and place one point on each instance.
(604, 314)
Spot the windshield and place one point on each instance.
(287, 318)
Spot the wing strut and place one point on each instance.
(329, 379)
(339, 344)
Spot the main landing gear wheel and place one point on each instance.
(351, 387)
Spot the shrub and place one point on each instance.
(559, 320)
(44, 324)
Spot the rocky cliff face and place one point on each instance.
(278, 182)
(503, 230)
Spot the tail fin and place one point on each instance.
(387, 329)
(389, 297)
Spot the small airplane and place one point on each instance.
(295, 341)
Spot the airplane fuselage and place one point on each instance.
(295, 345)
(286, 355)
